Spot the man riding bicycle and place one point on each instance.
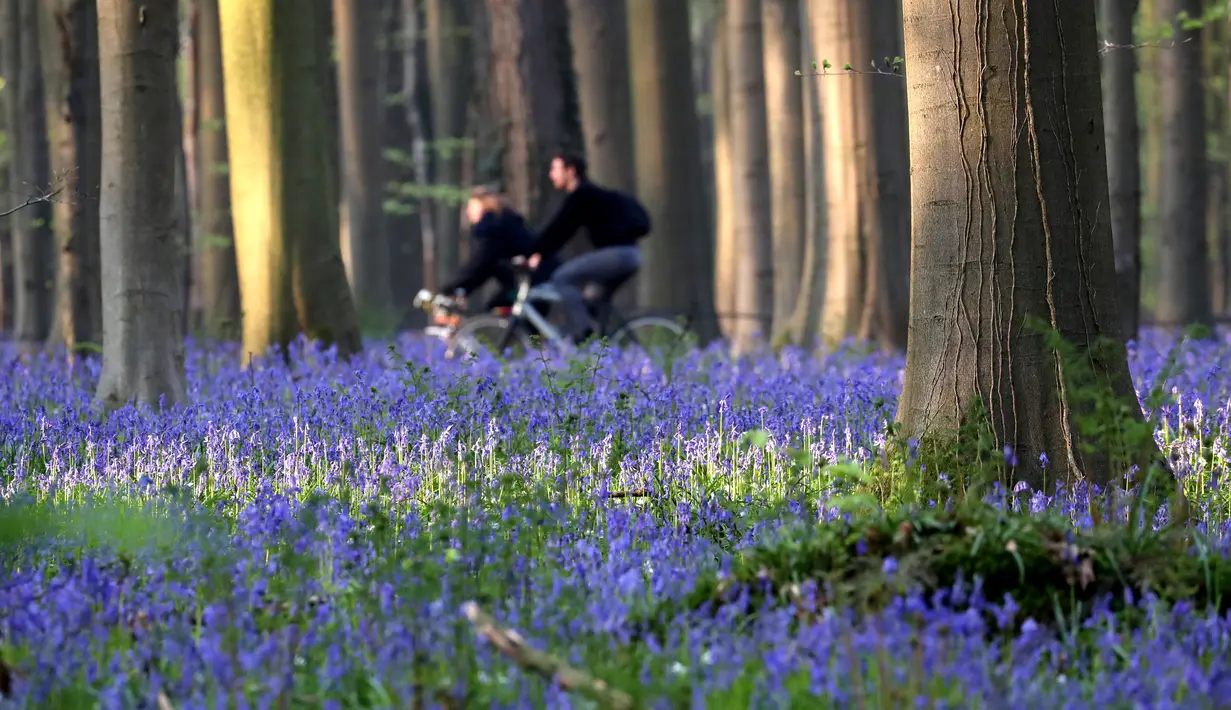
(615, 222)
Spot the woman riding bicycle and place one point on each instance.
(500, 234)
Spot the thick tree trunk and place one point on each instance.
(1123, 157)
(282, 157)
(867, 176)
(678, 255)
(73, 100)
(216, 277)
(726, 258)
(527, 98)
(30, 175)
(599, 32)
(1009, 188)
(787, 167)
(753, 215)
(143, 344)
(809, 307)
(1184, 281)
(363, 235)
(450, 67)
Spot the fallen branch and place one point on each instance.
(514, 647)
(634, 493)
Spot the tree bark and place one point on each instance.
(30, 175)
(678, 255)
(1123, 157)
(787, 167)
(599, 32)
(405, 240)
(867, 175)
(450, 68)
(527, 98)
(1009, 193)
(291, 275)
(726, 258)
(143, 344)
(363, 235)
(1184, 282)
(599, 37)
(215, 270)
(809, 307)
(753, 215)
(73, 100)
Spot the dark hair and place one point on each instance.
(574, 161)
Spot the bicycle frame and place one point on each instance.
(523, 308)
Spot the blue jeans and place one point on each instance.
(603, 266)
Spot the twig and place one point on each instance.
(32, 201)
(514, 647)
(164, 703)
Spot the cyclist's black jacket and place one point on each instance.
(498, 237)
(602, 212)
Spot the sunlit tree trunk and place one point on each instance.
(282, 157)
(1009, 194)
(73, 100)
(787, 166)
(726, 258)
(753, 215)
(867, 174)
(808, 309)
(143, 339)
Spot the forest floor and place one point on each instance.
(403, 531)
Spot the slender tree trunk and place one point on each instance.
(527, 98)
(215, 271)
(143, 345)
(1184, 285)
(405, 239)
(73, 100)
(726, 258)
(787, 167)
(361, 105)
(451, 74)
(420, 160)
(750, 157)
(1010, 224)
(282, 157)
(30, 175)
(1224, 232)
(867, 176)
(809, 307)
(678, 255)
(1123, 157)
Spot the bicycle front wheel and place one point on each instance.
(661, 336)
(499, 336)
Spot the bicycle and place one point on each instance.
(515, 328)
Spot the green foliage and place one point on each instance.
(1053, 572)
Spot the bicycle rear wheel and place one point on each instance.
(662, 336)
(500, 336)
